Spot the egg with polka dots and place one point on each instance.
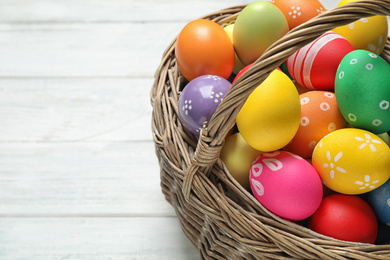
(362, 88)
(352, 161)
(320, 116)
(299, 11)
(199, 100)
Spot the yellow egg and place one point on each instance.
(271, 115)
(238, 157)
(367, 33)
(352, 161)
(237, 64)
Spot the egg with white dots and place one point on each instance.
(320, 116)
(199, 100)
(362, 88)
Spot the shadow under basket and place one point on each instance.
(220, 218)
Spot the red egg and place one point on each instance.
(242, 72)
(345, 217)
(314, 66)
(299, 11)
(320, 115)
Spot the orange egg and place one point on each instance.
(320, 116)
(204, 48)
(299, 11)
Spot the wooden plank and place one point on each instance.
(93, 238)
(80, 179)
(75, 109)
(109, 11)
(84, 50)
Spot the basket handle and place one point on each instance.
(213, 134)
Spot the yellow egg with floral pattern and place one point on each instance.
(366, 33)
(352, 161)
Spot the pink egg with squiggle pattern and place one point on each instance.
(286, 184)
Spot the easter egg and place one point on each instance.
(242, 71)
(320, 116)
(345, 217)
(270, 116)
(257, 26)
(385, 137)
(299, 11)
(362, 90)
(199, 100)
(352, 161)
(379, 200)
(238, 157)
(204, 48)
(238, 66)
(366, 33)
(314, 66)
(286, 185)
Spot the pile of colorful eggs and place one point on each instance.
(311, 142)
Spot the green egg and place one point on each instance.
(362, 88)
(257, 26)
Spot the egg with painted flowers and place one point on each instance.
(320, 116)
(299, 11)
(199, 100)
(362, 88)
(286, 184)
(366, 33)
(352, 161)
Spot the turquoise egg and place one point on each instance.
(362, 88)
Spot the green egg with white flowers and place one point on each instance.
(362, 88)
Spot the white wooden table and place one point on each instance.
(79, 178)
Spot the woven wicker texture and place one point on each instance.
(219, 217)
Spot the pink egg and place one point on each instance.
(314, 66)
(286, 185)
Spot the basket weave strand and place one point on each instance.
(269, 61)
(220, 218)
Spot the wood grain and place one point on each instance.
(78, 175)
(80, 179)
(93, 238)
(75, 109)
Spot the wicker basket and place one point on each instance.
(220, 218)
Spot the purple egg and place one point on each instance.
(199, 100)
